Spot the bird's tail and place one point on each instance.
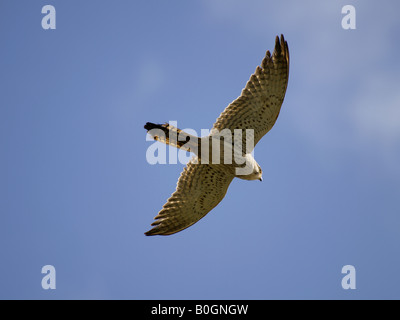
(173, 136)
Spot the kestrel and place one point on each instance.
(203, 184)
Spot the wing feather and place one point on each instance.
(199, 189)
(260, 102)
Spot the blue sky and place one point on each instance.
(76, 189)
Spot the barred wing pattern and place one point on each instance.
(259, 104)
(200, 188)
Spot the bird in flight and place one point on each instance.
(203, 183)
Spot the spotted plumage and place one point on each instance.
(201, 186)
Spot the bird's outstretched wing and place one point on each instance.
(259, 104)
(200, 188)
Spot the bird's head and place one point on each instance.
(256, 173)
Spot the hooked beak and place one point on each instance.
(260, 179)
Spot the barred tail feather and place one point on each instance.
(172, 136)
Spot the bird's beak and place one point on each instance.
(260, 179)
